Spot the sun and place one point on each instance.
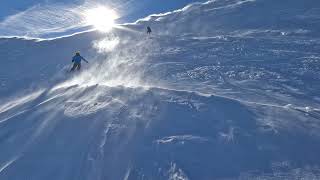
(102, 18)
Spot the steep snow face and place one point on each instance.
(239, 100)
(222, 16)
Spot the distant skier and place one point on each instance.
(149, 30)
(77, 61)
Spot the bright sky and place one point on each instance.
(50, 18)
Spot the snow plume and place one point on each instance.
(15, 102)
(54, 20)
(61, 19)
(42, 20)
(106, 45)
(176, 173)
(210, 17)
(126, 65)
(119, 62)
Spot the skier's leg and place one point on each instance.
(73, 67)
(79, 66)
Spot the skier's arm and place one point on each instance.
(84, 59)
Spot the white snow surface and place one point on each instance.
(227, 89)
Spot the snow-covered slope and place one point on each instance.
(222, 90)
(238, 16)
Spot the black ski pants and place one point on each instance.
(76, 66)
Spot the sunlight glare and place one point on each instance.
(102, 18)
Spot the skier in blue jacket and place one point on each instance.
(77, 61)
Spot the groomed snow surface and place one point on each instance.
(227, 89)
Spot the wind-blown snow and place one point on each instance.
(206, 96)
(54, 20)
(41, 21)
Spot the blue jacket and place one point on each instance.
(78, 58)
